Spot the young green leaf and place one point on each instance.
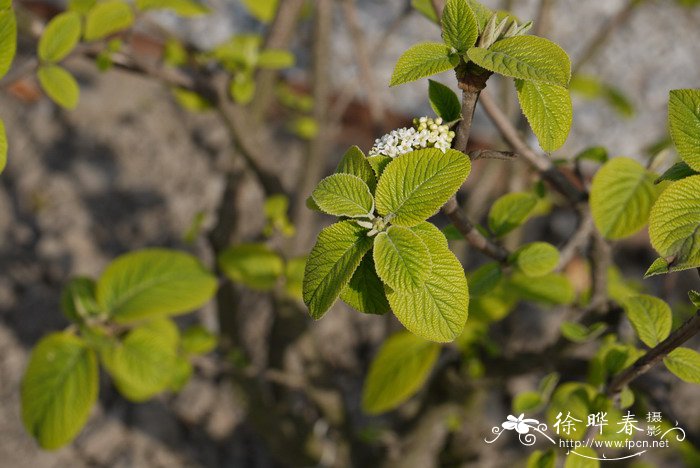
(399, 370)
(8, 39)
(510, 211)
(622, 195)
(459, 26)
(331, 263)
(542, 459)
(527, 402)
(401, 258)
(529, 58)
(3, 147)
(379, 163)
(81, 6)
(678, 171)
(60, 37)
(184, 8)
(153, 282)
(365, 291)
(548, 110)
(262, 10)
(438, 310)
(536, 259)
(685, 363)
(425, 7)
(198, 340)
(481, 13)
(674, 224)
(594, 153)
(552, 288)
(58, 389)
(444, 101)
(579, 333)
(422, 60)
(107, 18)
(650, 317)
(78, 300)
(344, 195)
(275, 59)
(582, 457)
(484, 279)
(254, 265)
(242, 88)
(415, 185)
(684, 124)
(144, 363)
(354, 162)
(59, 85)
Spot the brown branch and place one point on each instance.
(471, 234)
(438, 6)
(682, 334)
(578, 241)
(600, 262)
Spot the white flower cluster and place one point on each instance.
(425, 133)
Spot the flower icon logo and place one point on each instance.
(522, 426)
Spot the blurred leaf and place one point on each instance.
(527, 402)
(595, 153)
(190, 100)
(107, 18)
(579, 333)
(694, 298)
(540, 459)
(484, 279)
(305, 127)
(3, 147)
(182, 372)
(184, 8)
(262, 10)
(275, 59)
(294, 276)
(552, 288)
(510, 211)
(242, 88)
(576, 461)
(198, 340)
(535, 259)
(8, 39)
(60, 37)
(59, 85)
(81, 6)
(174, 54)
(254, 265)
(78, 300)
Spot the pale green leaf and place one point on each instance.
(484, 279)
(425, 7)
(444, 101)
(548, 110)
(594, 153)
(344, 195)
(184, 8)
(294, 277)
(144, 363)
(582, 457)
(674, 224)
(684, 124)
(181, 374)
(422, 60)
(401, 258)
(536, 259)
(481, 13)
(354, 162)
(78, 300)
(540, 459)
(553, 288)
(459, 26)
(58, 389)
(678, 171)
(527, 402)
(107, 18)
(198, 340)
(275, 59)
(685, 363)
(379, 163)
(650, 317)
(190, 100)
(254, 265)
(154, 282)
(438, 310)
(510, 211)
(262, 10)
(399, 370)
(622, 195)
(365, 291)
(59, 85)
(60, 37)
(528, 58)
(242, 88)
(81, 6)
(579, 333)
(415, 185)
(8, 39)
(3, 147)
(331, 263)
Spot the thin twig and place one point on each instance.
(600, 262)
(578, 241)
(438, 6)
(471, 234)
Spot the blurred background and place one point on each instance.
(131, 168)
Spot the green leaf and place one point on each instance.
(684, 124)
(254, 265)
(58, 390)
(81, 6)
(294, 277)
(184, 8)
(190, 100)
(510, 211)
(78, 300)
(3, 147)
(575, 459)
(678, 171)
(107, 18)
(553, 288)
(484, 279)
(60, 37)
(181, 374)
(650, 317)
(422, 60)
(527, 402)
(459, 26)
(481, 13)
(401, 258)
(685, 363)
(528, 58)
(425, 7)
(548, 110)
(275, 59)
(674, 224)
(8, 39)
(144, 363)
(344, 195)
(379, 163)
(365, 291)
(438, 310)
(536, 259)
(242, 88)
(415, 185)
(694, 297)
(262, 10)
(354, 162)
(540, 459)
(444, 101)
(399, 370)
(59, 85)
(331, 263)
(595, 153)
(198, 340)
(622, 195)
(579, 333)
(659, 266)
(154, 282)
